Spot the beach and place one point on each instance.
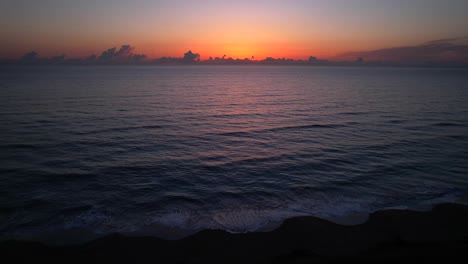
(393, 235)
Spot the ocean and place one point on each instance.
(125, 148)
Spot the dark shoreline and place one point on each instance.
(388, 235)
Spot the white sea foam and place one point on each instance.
(176, 219)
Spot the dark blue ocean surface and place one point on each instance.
(124, 148)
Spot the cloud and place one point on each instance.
(138, 57)
(123, 55)
(57, 59)
(453, 50)
(462, 40)
(31, 56)
(191, 57)
(124, 51)
(108, 54)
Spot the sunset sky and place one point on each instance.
(239, 29)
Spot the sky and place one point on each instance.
(240, 29)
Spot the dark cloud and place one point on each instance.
(191, 57)
(451, 52)
(454, 50)
(123, 55)
(138, 57)
(450, 40)
(31, 56)
(57, 59)
(108, 54)
(124, 51)
(91, 58)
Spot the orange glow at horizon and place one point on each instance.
(256, 51)
(239, 49)
(239, 29)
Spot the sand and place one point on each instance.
(387, 236)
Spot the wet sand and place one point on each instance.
(387, 236)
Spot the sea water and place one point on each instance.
(122, 148)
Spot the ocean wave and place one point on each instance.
(120, 129)
(280, 129)
(447, 124)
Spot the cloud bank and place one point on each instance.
(451, 52)
(123, 55)
(443, 51)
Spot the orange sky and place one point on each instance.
(239, 29)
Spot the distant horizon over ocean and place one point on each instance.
(239, 62)
(123, 149)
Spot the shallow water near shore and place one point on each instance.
(124, 148)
